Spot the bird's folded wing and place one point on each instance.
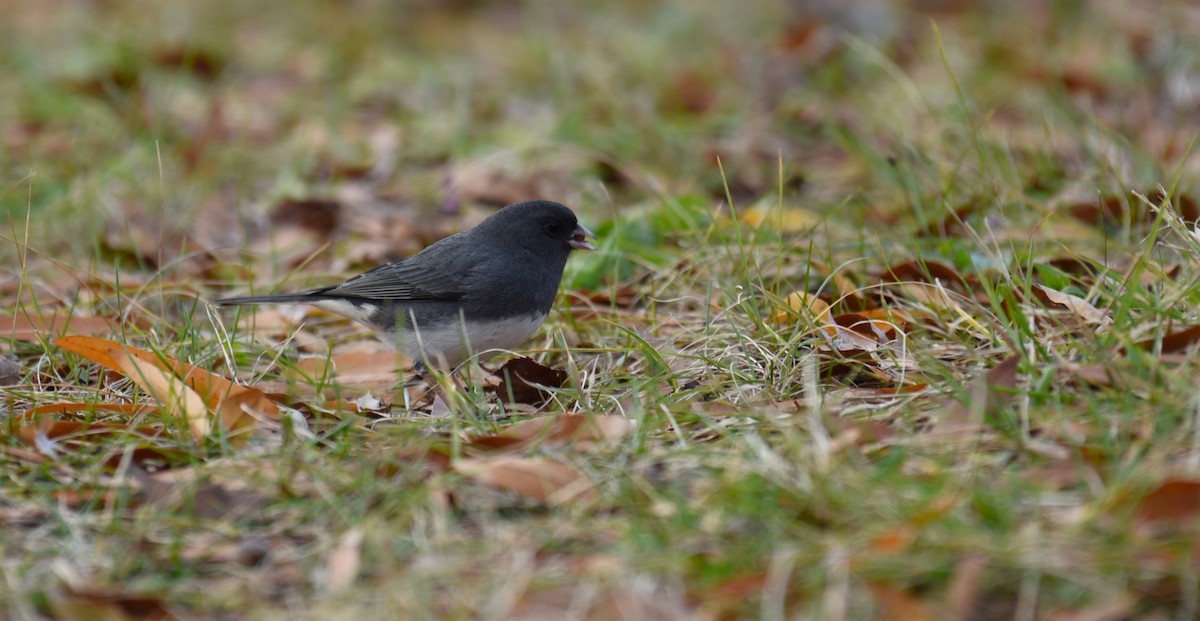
(402, 281)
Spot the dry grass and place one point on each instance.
(888, 321)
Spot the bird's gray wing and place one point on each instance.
(403, 280)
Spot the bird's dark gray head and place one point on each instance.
(545, 227)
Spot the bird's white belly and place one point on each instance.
(450, 345)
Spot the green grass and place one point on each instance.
(723, 168)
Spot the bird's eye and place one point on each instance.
(554, 228)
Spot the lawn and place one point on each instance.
(894, 313)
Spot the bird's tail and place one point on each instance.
(278, 298)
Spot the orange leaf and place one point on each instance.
(34, 414)
(50, 428)
(804, 305)
(58, 428)
(239, 412)
(894, 541)
(532, 477)
(1173, 501)
(212, 389)
(579, 430)
(170, 391)
(100, 351)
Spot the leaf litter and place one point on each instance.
(935, 329)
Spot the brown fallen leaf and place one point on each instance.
(35, 420)
(879, 330)
(377, 371)
(344, 561)
(1081, 307)
(100, 351)
(524, 380)
(962, 594)
(212, 390)
(858, 432)
(10, 371)
(108, 604)
(190, 490)
(239, 413)
(1002, 378)
(894, 541)
(1116, 609)
(1114, 209)
(894, 604)
(535, 478)
(31, 327)
(577, 430)
(171, 392)
(735, 589)
(921, 271)
(318, 215)
(1173, 502)
(1174, 341)
(806, 306)
(204, 63)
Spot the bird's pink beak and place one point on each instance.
(579, 238)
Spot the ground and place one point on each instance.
(894, 313)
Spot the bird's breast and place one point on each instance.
(449, 344)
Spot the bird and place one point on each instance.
(487, 288)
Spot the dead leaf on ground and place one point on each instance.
(964, 589)
(1174, 502)
(859, 432)
(27, 327)
(535, 478)
(806, 306)
(1081, 307)
(36, 422)
(894, 541)
(783, 219)
(922, 271)
(241, 412)
(500, 181)
(894, 604)
(1095, 375)
(1117, 608)
(173, 393)
(376, 371)
(108, 604)
(691, 93)
(577, 430)
(11, 371)
(1003, 377)
(524, 380)
(1115, 209)
(188, 489)
(1174, 341)
(186, 388)
(344, 561)
(317, 215)
(204, 63)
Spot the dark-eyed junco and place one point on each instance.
(487, 288)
